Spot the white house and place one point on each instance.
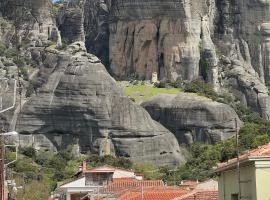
(90, 181)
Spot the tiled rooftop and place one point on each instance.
(200, 195)
(153, 194)
(130, 184)
(260, 152)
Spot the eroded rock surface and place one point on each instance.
(155, 36)
(71, 21)
(33, 20)
(80, 103)
(193, 118)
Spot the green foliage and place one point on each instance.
(150, 171)
(201, 88)
(140, 92)
(176, 84)
(11, 53)
(28, 151)
(2, 48)
(4, 23)
(30, 89)
(10, 156)
(160, 84)
(204, 157)
(136, 82)
(25, 165)
(204, 68)
(95, 160)
(169, 84)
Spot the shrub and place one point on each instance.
(11, 53)
(136, 82)
(28, 151)
(30, 90)
(201, 88)
(150, 171)
(204, 68)
(161, 84)
(2, 49)
(176, 84)
(24, 165)
(95, 160)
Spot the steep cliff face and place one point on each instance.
(223, 42)
(166, 37)
(70, 21)
(79, 103)
(96, 24)
(243, 31)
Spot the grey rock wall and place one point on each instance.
(80, 103)
(193, 118)
(70, 21)
(34, 19)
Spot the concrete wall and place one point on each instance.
(228, 183)
(263, 180)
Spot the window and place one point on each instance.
(234, 197)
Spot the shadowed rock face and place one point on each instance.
(80, 102)
(192, 118)
(70, 21)
(34, 19)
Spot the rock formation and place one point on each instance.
(159, 36)
(190, 39)
(71, 20)
(193, 118)
(33, 20)
(224, 42)
(80, 103)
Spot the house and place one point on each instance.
(252, 181)
(189, 184)
(207, 190)
(91, 181)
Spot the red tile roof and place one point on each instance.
(121, 185)
(164, 193)
(260, 152)
(123, 179)
(200, 195)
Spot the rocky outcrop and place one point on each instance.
(71, 21)
(33, 20)
(80, 103)
(193, 118)
(154, 36)
(96, 24)
(243, 32)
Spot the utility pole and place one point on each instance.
(238, 159)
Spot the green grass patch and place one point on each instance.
(139, 93)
